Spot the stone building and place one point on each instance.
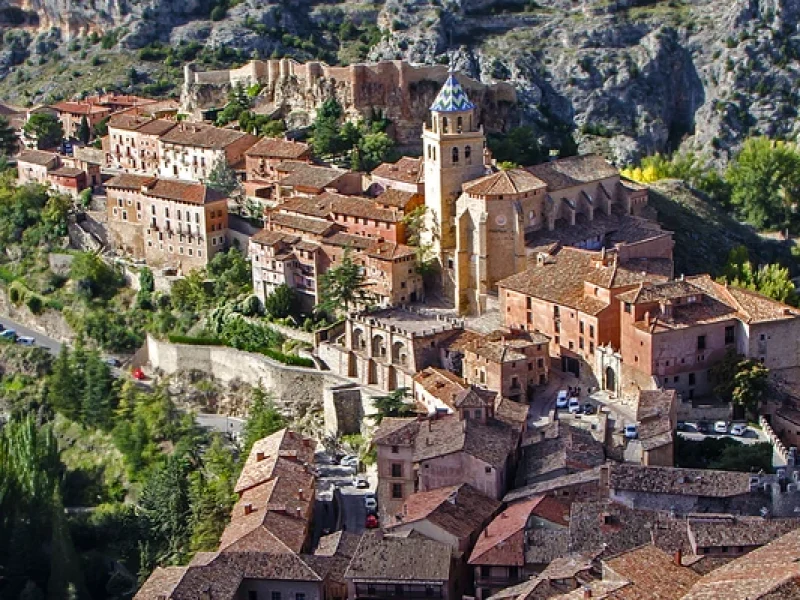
(453, 153)
(189, 151)
(405, 175)
(262, 159)
(386, 348)
(59, 173)
(511, 363)
(72, 114)
(305, 180)
(676, 331)
(34, 165)
(570, 295)
(132, 144)
(166, 222)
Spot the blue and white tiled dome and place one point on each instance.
(452, 97)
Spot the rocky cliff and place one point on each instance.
(629, 77)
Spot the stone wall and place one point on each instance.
(297, 390)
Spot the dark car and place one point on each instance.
(589, 408)
(704, 427)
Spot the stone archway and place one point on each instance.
(378, 346)
(610, 380)
(399, 355)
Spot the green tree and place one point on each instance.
(84, 132)
(147, 285)
(282, 302)
(772, 280)
(519, 146)
(743, 380)
(222, 178)
(44, 129)
(374, 149)
(342, 287)
(93, 277)
(263, 419)
(97, 402)
(765, 182)
(231, 273)
(392, 405)
(211, 496)
(61, 386)
(8, 138)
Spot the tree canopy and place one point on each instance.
(44, 129)
(392, 405)
(342, 287)
(8, 138)
(772, 280)
(263, 419)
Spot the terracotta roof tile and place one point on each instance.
(460, 510)
(573, 449)
(263, 459)
(341, 239)
(551, 485)
(396, 431)
(311, 176)
(649, 573)
(512, 181)
(514, 414)
(266, 237)
(182, 191)
(502, 542)
(386, 250)
(709, 531)
(127, 181)
(80, 108)
(204, 136)
(491, 443)
(405, 170)
(394, 198)
(300, 223)
(157, 127)
(279, 148)
(67, 172)
(441, 384)
(673, 480)
(573, 171)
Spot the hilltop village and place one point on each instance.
(541, 359)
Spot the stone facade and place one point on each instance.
(166, 222)
(131, 145)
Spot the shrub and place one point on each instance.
(195, 341)
(17, 293)
(288, 359)
(34, 303)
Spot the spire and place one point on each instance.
(452, 97)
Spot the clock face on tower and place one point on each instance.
(500, 220)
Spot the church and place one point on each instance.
(484, 224)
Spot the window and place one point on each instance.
(299, 596)
(591, 331)
(691, 378)
(701, 342)
(486, 571)
(676, 379)
(395, 449)
(580, 327)
(580, 343)
(591, 347)
(455, 155)
(276, 596)
(397, 490)
(468, 154)
(444, 125)
(556, 312)
(730, 335)
(488, 470)
(628, 307)
(513, 572)
(571, 345)
(397, 470)
(540, 363)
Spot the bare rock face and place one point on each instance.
(626, 77)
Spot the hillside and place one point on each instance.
(704, 233)
(628, 77)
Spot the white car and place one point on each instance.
(562, 399)
(631, 432)
(370, 502)
(349, 461)
(720, 427)
(574, 406)
(739, 429)
(26, 340)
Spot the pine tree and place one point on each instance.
(97, 391)
(263, 420)
(84, 132)
(62, 387)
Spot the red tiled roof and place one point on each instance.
(513, 181)
(649, 572)
(183, 191)
(127, 181)
(80, 108)
(37, 157)
(395, 198)
(204, 136)
(385, 250)
(279, 148)
(502, 541)
(406, 170)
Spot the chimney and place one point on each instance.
(486, 532)
(299, 512)
(248, 508)
(678, 558)
(587, 592)
(300, 494)
(259, 456)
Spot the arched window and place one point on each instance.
(460, 124)
(444, 124)
(468, 154)
(455, 155)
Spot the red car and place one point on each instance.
(372, 522)
(138, 374)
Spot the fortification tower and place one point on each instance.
(452, 146)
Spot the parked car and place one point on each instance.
(739, 429)
(361, 483)
(631, 432)
(721, 427)
(589, 408)
(575, 406)
(370, 502)
(703, 427)
(349, 461)
(681, 426)
(113, 362)
(26, 340)
(371, 522)
(8, 334)
(562, 399)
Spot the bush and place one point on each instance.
(34, 303)
(17, 293)
(195, 341)
(288, 359)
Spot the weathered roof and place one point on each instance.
(410, 558)
(263, 458)
(660, 291)
(300, 223)
(405, 170)
(573, 171)
(574, 449)
(330, 203)
(279, 148)
(772, 571)
(80, 108)
(491, 443)
(182, 191)
(204, 136)
(386, 250)
(396, 431)
(311, 176)
(37, 157)
(713, 531)
(452, 97)
(512, 181)
(501, 347)
(128, 181)
(67, 172)
(395, 198)
(649, 572)
(441, 384)
(460, 510)
(673, 480)
(266, 237)
(592, 476)
(560, 278)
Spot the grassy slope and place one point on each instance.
(705, 233)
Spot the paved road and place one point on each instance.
(222, 423)
(42, 340)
